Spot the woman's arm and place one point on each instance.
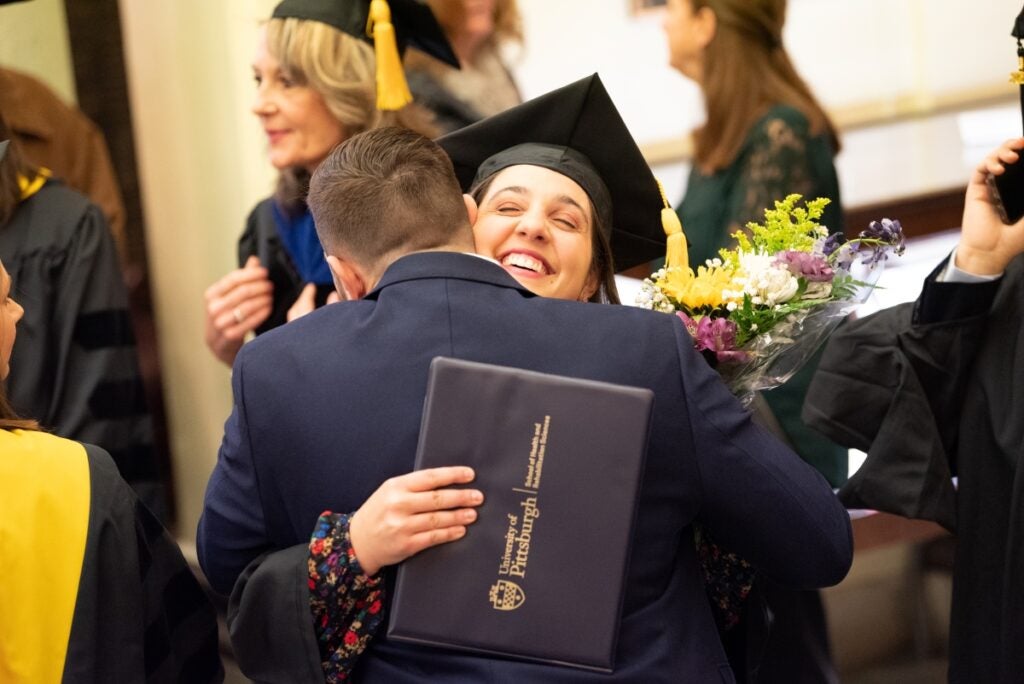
(326, 584)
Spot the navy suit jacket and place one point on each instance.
(328, 407)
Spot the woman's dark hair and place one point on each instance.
(11, 166)
(602, 265)
(9, 420)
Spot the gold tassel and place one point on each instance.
(31, 187)
(1017, 77)
(392, 90)
(675, 246)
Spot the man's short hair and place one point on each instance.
(387, 191)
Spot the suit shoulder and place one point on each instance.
(630, 315)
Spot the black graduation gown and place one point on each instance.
(260, 238)
(74, 366)
(138, 614)
(140, 611)
(934, 390)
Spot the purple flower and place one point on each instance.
(832, 243)
(716, 335)
(812, 267)
(889, 233)
(689, 323)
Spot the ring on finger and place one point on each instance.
(237, 313)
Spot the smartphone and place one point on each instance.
(1008, 191)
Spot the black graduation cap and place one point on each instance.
(413, 21)
(577, 131)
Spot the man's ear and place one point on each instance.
(471, 208)
(349, 279)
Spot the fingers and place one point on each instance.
(412, 512)
(240, 291)
(252, 272)
(442, 499)
(425, 540)
(239, 302)
(236, 323)
(1007, 153)
(305, 303)
(423, 492)
(439, 520)
(433, 478)
(333, 297)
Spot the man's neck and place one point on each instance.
(377, 273)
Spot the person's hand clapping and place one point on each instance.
(410, 513)
(236, 305)
(987, 244)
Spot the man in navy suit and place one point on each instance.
(328, 408)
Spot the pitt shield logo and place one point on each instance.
(506, 595)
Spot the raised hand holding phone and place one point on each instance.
(1008, 187)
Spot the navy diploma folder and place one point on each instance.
(540, 575)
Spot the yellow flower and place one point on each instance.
(710, 287)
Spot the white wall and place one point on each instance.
(201, 167)
(34, 39)
(867, 51)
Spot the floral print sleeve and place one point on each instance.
(347, 604)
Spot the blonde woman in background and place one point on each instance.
(315, 80)
(478, 30)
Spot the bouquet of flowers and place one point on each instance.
(761, 309)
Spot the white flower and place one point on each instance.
(818, 290)
(650, 297)
(765, 282)
(778, 285)
(753, 263)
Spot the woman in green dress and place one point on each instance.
(765, 136)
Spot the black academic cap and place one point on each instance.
(577, 131)
(414, 22)
(1018, 26)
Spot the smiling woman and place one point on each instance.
(316, 84)
(539, 225)
(565, 197)
(300, 128)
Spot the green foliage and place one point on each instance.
(787, 226)
(752, 320)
